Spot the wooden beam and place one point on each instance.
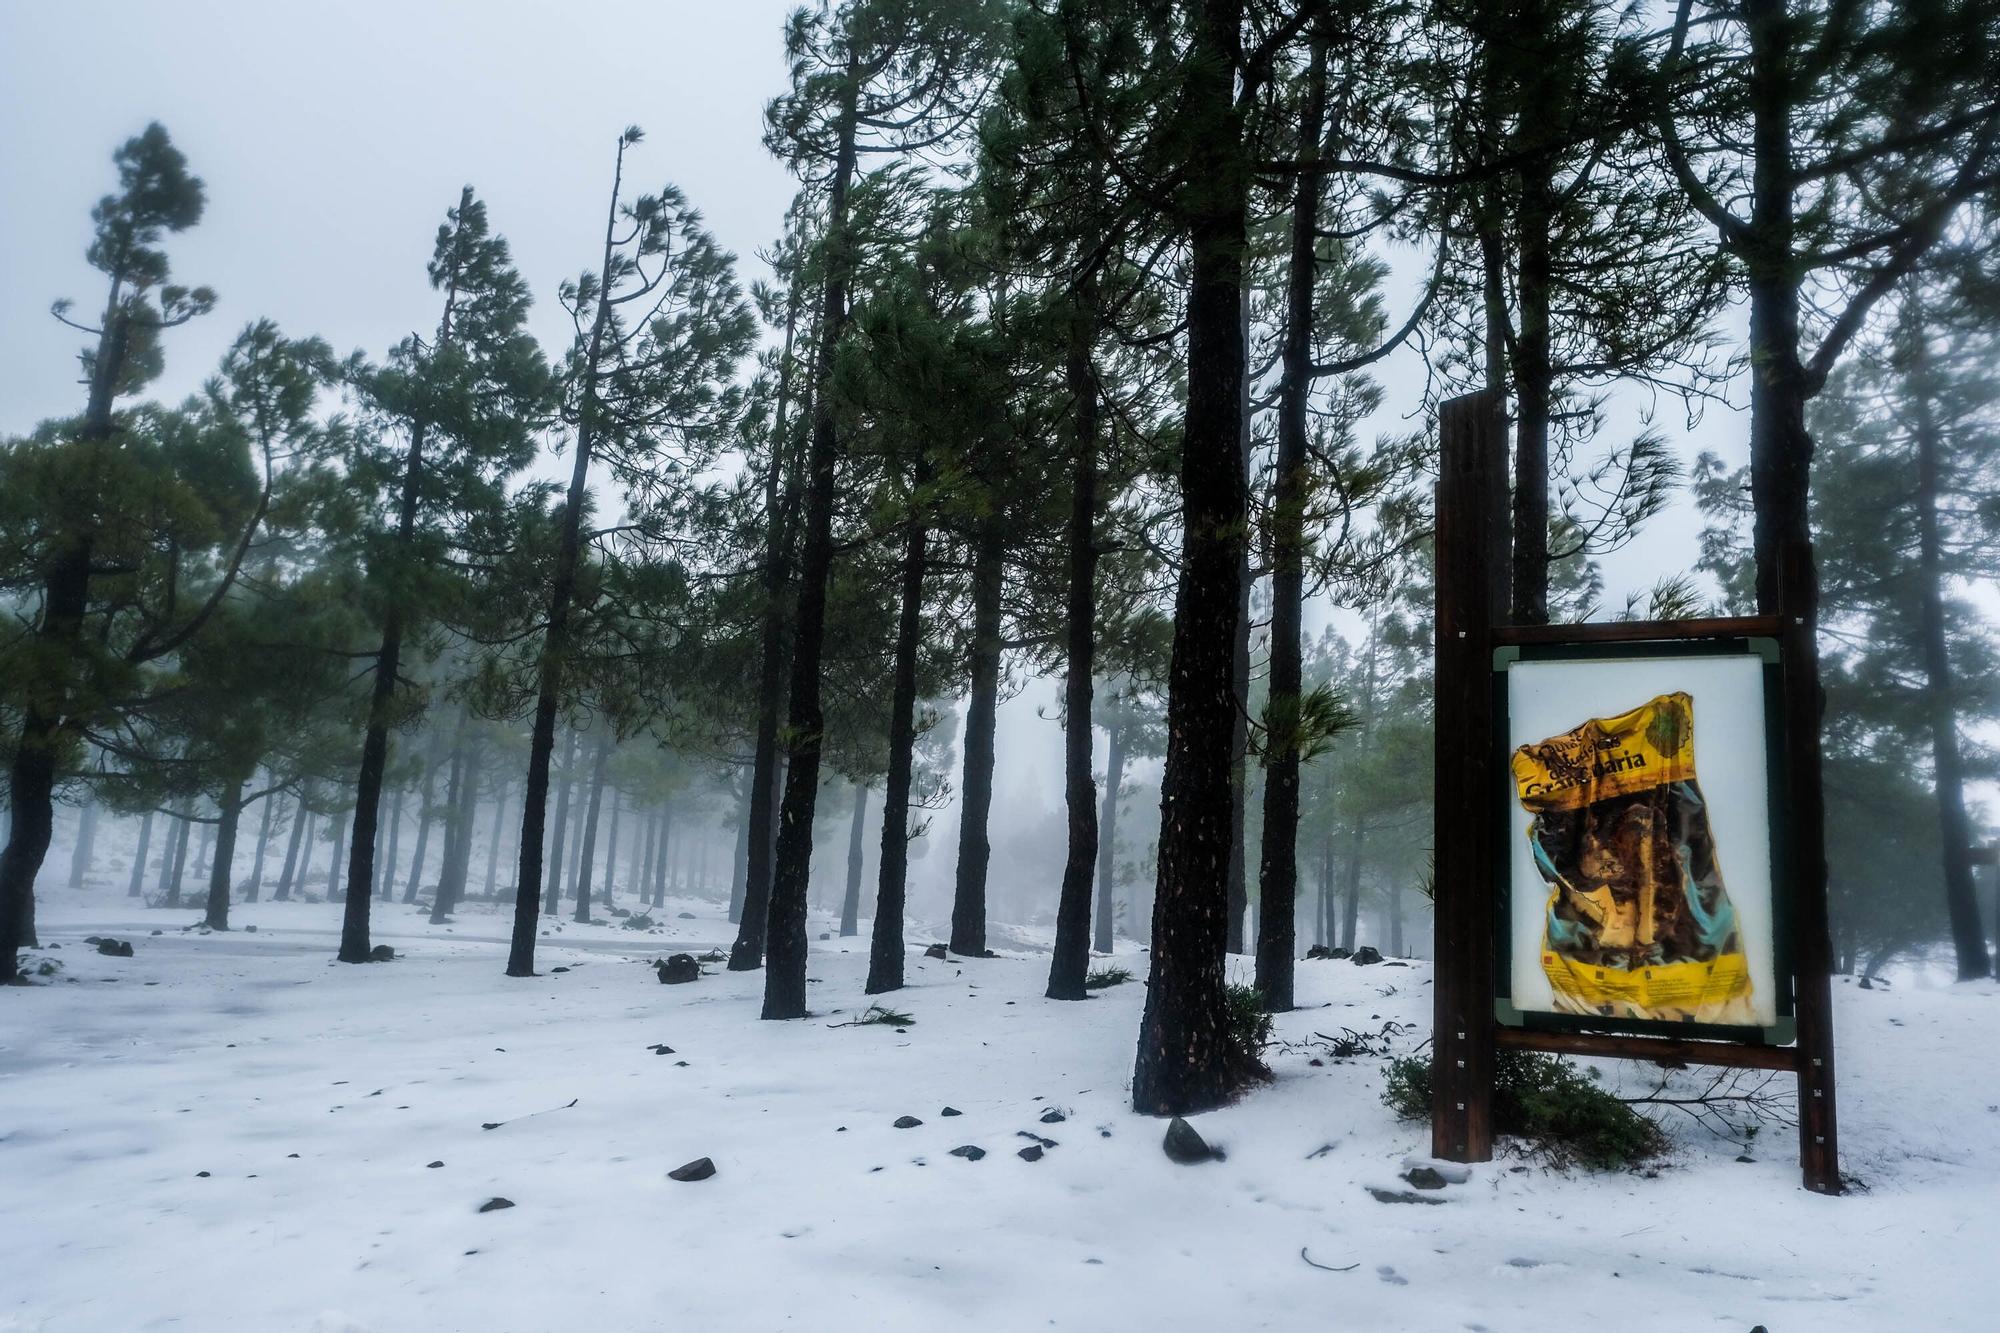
(1660, 1050)
(1472, 579)
(1728, 627)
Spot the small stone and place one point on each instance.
(678, 969)
(1745, 1157)
(1184, 1144)
(558, 969)
(156, 932)
(935, 951)
(1367, 954)
(661, 1049)
(907, 1122)
(699, 1169)
(1424, 1178)
(969, 1152)
(432, 1166)
(381, 953)
(1031, 1153)
(687, 916)
(1337, 952)
(1319, 951)
(951, 1110)
(252, 930)
(1401, 1196)
(825, 936)
(1447, 1173)
(495, 1204)
(201, 1175)
(115, 948)
(1053, 1117)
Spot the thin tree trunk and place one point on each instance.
(850, 902)
(1278, 859)
(552, 900)
(301, 825)
(463, 802)
(586, 852)
(137, 887)
(885, 952)
(426, 816)
(1961, 895)
(1069, 962)
(202, 859)
(975, 848)
(230, 806)
(1239, 726)
(661, 853)
(1182, 1062)
(389, 854)
(333, 885)
(785, 936)
(256, 884)
(180, 863)
(611, 851)
(86, 835)
(493, 841)
(739, 872)
(1107, 844)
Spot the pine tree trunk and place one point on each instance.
(587, 848)
(464, 802)
(1961, 895)
(975, 848)
(301, 823)
(850, 902)
(230, 807)
(499, 822)
(256, 884)
(739, 872)
(1239, 734)
(202, 860)
(1278, 857)
(611, 853)
(1182, 1063)
(785, 935)
(660, 854)
(1069, 963)
(1107, 844)
(333, 858)
(389, 854)
(137, 886)
(1533, 399)
(752, 913)
(426, 816)
(180, 862)
(885, 951)
(552, 899)
(86, 834)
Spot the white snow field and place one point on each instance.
(232, 1131)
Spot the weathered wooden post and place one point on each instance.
(1472, 559)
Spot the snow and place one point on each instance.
(315, 1095)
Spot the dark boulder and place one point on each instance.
(678, 969)
(699, 1169)
(969, 1152)
(1184, 1144)
(1367, 954)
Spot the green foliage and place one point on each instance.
(1246, 1031)
(1103, 978)
(876, 1015)
(1561, 1112)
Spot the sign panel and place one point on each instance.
(1641, 867)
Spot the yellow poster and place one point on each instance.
(1638, 923)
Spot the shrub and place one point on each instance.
(1102, 977)
(1559, 1110)
(1246, 1031)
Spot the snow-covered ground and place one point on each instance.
(231, 1131)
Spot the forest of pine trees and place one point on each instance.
(1067, 367)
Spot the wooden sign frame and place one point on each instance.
(1471, 543)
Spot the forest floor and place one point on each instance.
(242, 1134)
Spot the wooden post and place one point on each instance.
(1805, 833)
(1471, 544)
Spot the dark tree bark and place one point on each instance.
(333, 857)
(1534, 388)
(785, 937)
(1278, 860)
(660, 854)
(216, 916)
(643, 879)
(137, 886)
(1069, 964)
(426, 815)
(1239, 734)
(586, 852)
(458, 847)
(1182, 1063)
(493, 841)
(1968, 936)
(850, 902)
(752, 914)
(975, 846)
(611, 853)
(1107, 844)
(885, 950)
(256, 884)
(739, 868)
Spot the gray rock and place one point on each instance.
(969, 1152)
(699, 1169)
(907, 1122)
(935, 951)
(1184, 1144)
(687, 916)
(115, 948)
(1367, 954)
(1053, 1117)
(1031, 1153)
(1402, 1196)
(951, 1110)
(382, 953)
(495, 1204)
(1424, 1178)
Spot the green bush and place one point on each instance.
(1102, 977)
(1246, 1032)
(1559, 1110)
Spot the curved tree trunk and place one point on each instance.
(1107, 845)
(850, 902)
(586, 851)
(137, 886)
(256, 884)
(885, 950)
(216, 916)
(552, 897)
